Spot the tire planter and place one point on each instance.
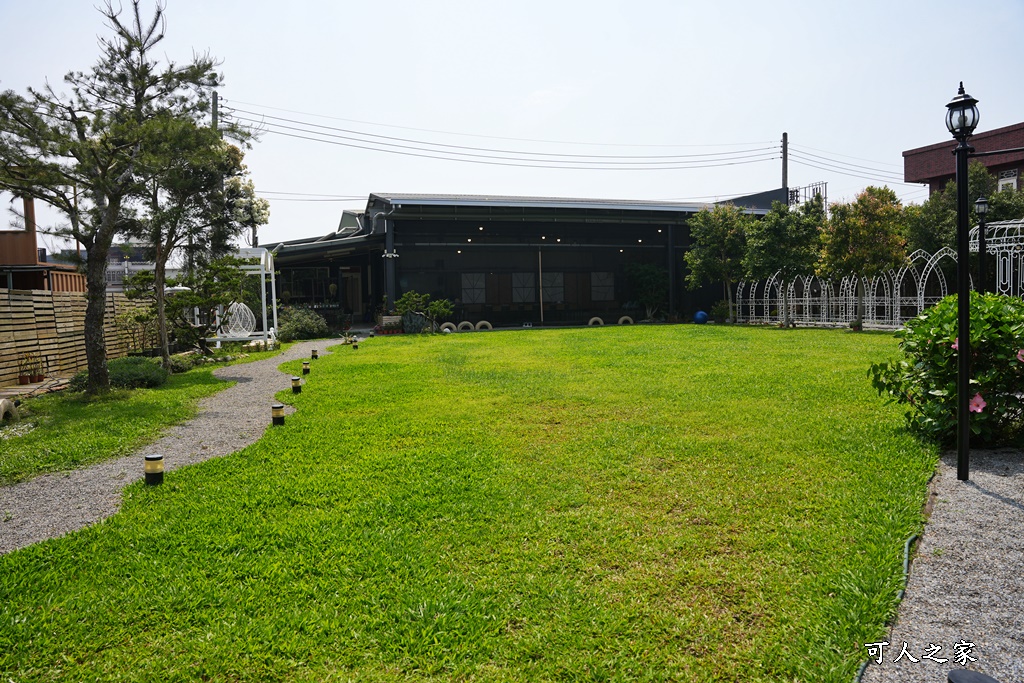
(625, 320)
(465, 325)
(595, 321)
(484, 325)
(449, 326)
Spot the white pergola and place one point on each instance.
(240, 322)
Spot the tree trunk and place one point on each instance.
(96, 293)
(729, 300)
(159, 280)
(95, 342)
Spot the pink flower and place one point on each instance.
(956, 344)
(1020, 355)
(977, 404)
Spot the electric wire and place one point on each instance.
(837, 154)
(845, 163)
(797, 160)
(642, 157)
(496, 137)
(528, 163)
(506, 155)
(832, 165)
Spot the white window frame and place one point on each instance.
(602, 286)
(524, 288)
(554, 288)
(474, 288)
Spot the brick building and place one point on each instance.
(23, 265)
(935, 165)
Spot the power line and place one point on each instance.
(511, 155)
(847, 173)
(847, 164)
(825, 151)
(301, 199)
(524, 163)
(313, 194)
(497, 137)
(855, 169)
(672, 157)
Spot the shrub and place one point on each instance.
(926, 378)
(182, 362)
(720, 311)
(132, 372)
(300, 323)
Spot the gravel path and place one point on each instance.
(54, 504)
(967, 579)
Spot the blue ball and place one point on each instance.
(700, 317)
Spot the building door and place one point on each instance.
(353, 292)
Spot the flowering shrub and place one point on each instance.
(925, 379)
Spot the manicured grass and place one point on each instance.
(72, 430)
(643, 503)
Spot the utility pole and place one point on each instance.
(785, 164)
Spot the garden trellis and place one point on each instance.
(891, 298)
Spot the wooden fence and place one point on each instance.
(51, 326)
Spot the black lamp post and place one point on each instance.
(981, 208)
(961, 119)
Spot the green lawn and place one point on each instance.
(694, 503)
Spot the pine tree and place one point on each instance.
(82, 152)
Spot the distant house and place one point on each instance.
(507, 260)
(936, 166)
(24, 265)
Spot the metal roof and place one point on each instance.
(398, 199)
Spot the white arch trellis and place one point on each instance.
(890, 299)
(1005, 241)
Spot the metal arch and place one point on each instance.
(905, 300)
(885, 301)
(890, 299)
(740, 318)
(772, 283)
(931, 266)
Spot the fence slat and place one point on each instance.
(51, 325)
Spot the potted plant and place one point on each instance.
(29, 368)
(25, 368)
(36, 372)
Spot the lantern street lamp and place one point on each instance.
(981, 208)
(961, 120)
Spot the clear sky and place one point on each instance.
(639, 84)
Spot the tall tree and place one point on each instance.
(931, 225)
(718, 240)
(649, 284)
(785, 241)
(198, 196)
(1006, 205)
(864, 238)
(81, 152)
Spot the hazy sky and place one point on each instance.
(637, 84)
